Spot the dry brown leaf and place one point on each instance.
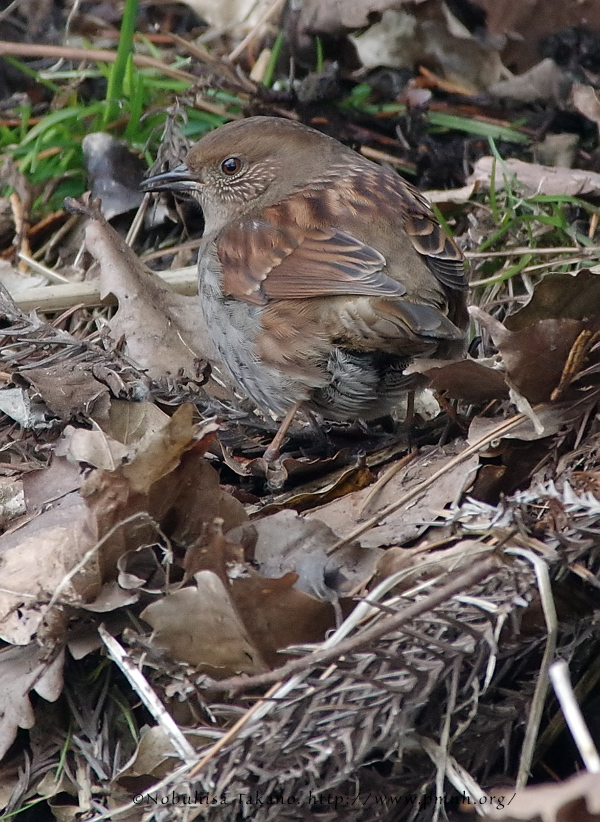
(276, 615)
(12, 500)
(113, 510)
(544, 81)
(163, 331)
(273, 611)
(69, 390)
(48, 484)
(574, 800)
(285, 542)
(535, 178)
(193, 498)
(141, 569)
(468, 380)
(561, 296)
(128, 422)
(233, 16)
(585, 99)
(330, 17)
(82, 446)
(535, 355)
(33, 561)
(408, 37)
(23, 670)
(154, 754)
(114, 173)
(343, 515)
(200, 625)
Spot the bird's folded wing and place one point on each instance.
(442, 256)
(267, 259)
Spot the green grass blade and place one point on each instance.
(116, 78)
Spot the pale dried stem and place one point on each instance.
(91, 55)
(496, 433)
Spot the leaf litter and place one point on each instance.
(412, 591)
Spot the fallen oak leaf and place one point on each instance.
(535, 355)
(201, 626)
(171, 339)
(21, 671)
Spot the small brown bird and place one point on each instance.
(321, 274)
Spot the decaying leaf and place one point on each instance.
(200, 625)
(343, 515)
(274, 612)
(285, 542)
(114, 173)
(171, 339)
(471, 381)
(407, 37)
(544, 81)
(550, 342)
(35, 558)
(561, 296)
(534, 356)
(113, 511)
(23, 670)
(523, 26)
(69, 391)
(535, 178)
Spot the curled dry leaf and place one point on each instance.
(471, 381)
(408, 37)
(35, 558)
(543, 357)
(523, 25)
(153, 756)
(585, 99)
(544, 81)
(233, 16)
(114, 173)
(23, 670)
(535, 355)
(561, 296)
(200, 625)
(113, 512)
(340, 16)
(82, 446)
(163, 331)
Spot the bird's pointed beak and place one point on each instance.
(177, 179)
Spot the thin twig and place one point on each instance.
(368, 637)
(496, 433)
(140, 685)
(91, 55)
(275, 7)
(519, 252)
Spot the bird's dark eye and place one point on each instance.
(231, 166)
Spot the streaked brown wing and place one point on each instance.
(280, 259)
(442, 256)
